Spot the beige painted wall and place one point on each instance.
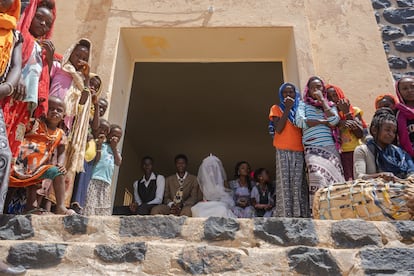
(335, 39)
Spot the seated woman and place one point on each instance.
(379, 157)
(217, 201)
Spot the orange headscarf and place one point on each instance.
(341, 96)
(381, 97)
(8, 23)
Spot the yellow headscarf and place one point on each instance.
(8, 23)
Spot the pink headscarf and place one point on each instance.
(404, 113)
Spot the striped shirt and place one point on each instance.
(320, 135)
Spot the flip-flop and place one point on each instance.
(37, 211)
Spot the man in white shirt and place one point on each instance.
(149, 190)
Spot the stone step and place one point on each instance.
(168, 245)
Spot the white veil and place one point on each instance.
(211, 177)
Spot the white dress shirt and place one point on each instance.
(159, 194)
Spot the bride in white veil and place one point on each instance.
(217, 201)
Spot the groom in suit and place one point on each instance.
(181, 191)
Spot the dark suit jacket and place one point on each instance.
(190, 192)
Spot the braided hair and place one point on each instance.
(381, 116)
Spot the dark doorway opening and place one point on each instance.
(197, 109)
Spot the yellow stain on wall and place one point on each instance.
(155, 44)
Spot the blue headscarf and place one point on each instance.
(295, 105)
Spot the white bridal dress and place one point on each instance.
(217, 201)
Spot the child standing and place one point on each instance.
(405, 114)
(32, 164)
(98, 199)
(351, 127)
(292, 195)
(261, 196)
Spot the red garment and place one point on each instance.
(341, 96)
(28, 44)
(16, 113)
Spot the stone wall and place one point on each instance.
(167, 245)
(395, 19)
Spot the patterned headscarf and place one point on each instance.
(404, 113)
(282, 102)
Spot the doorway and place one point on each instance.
(197, 109)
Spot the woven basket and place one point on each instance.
(372, 199)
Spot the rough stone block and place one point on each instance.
(152, 226)
(313, 261)
(209, 259)
(286, 231)
(399, 16)
(35, 255)
(218, 229)
(387, 261)
(15, 227)
(355, 233)
(386, 47)
(380, 4)
(408, 29)
(397, 76)
(391, 33)
(406, 230)
(397, 63)
(405, 46)
(75, 224)
(411, 61)
(405, 3)
(377, 17)
(130, 252)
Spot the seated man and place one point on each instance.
(181, 191)
(149, 191)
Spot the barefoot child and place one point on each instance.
(32, 164)
(98, 199)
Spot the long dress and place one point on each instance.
(217, 201)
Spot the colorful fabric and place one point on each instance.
(392, 159)
(291, 136)
(28, 44)
(8, 23)
(324, 168)
(292, 111)
(98, 199)
(404, 114)
(320, 135)
(348, 138)
(5, 160)
(381, 97)
(35, 154)
(291, 185)
(104, 169)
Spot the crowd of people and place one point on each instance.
(57, 151)
(320, 139)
